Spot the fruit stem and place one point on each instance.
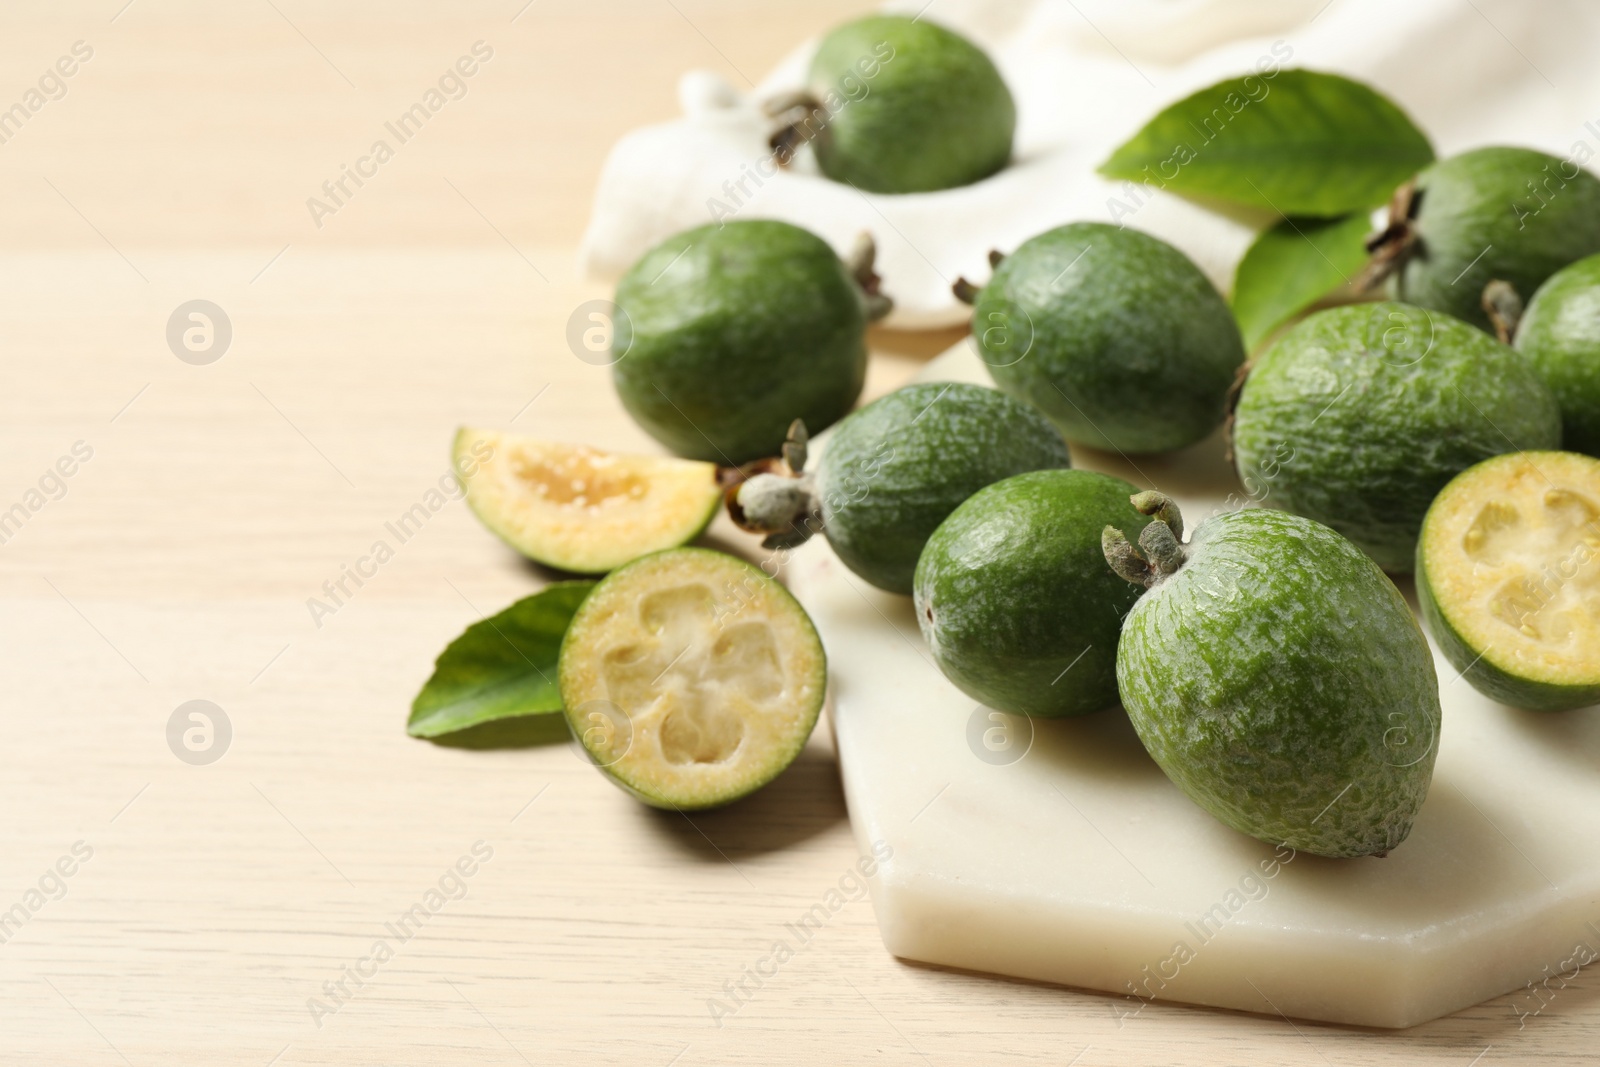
(965, 291)
(776, 497)
(1503, 304)
(1161, 541)
(1391, 246)
(795, 446)
(859, 263)
(802, 116)
(1124, 558)
(1162, 507)
(782, 506)
(1161, 548)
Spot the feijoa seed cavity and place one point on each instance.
(691, 678)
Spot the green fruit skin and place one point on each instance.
(1115, 335)
(1560, 335)
(1511, 214)
(894, 470)
(1484, 676)
(1359, 415)
(913, 107)
(729, 333)
(1015, 599)
(783, 760)
(1281, 682)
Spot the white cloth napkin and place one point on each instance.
(1086, 75)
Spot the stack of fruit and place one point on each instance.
(1402, 412)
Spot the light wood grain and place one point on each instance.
(220, 899)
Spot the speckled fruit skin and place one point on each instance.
(1281, 682)
(894, 470)
(1359, 415)
(1560, 335)
(1476, 667)
(731, 333)
(1015, 599)
(1114, 334)
(1511, 214)
(920, 107)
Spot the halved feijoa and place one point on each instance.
(580, 509)
(1508, 573)
(691, 678)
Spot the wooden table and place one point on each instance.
(230, 912)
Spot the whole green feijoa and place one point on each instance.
(1014, 597)
(728, 333)
(892, 471)
(908, 106)
(1359, 415)
(1115, 335)
(1278, 678)
(1510, 214)
(1560, 335)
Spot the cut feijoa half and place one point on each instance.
(691, 678)
(1508, 573)
(579, 509)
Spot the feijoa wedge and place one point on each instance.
(579, 509)
(691, 678)
(1508, 572)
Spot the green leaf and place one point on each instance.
(1296, 142)
(1292, 266)
(500, 668)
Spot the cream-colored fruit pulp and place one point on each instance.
(1513, 556)
(713, 675)
(578, 508)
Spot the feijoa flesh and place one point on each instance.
(1508, 573)
(691, 678)
(580, 509)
